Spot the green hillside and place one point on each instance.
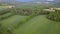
(33, 19)
(12, 20)
(38, 25)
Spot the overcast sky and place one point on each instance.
(32, 0)
(24, 0)
(50, 0)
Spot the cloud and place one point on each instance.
(50, 0)
(37, 2)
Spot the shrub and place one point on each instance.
(25, 20)
(4, 30)
(5, 16)
(54, 15)
(4, 11)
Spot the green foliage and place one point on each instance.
(4, 11)
(27, 11)
(4, 30)
(29, 25)
(25, 20)
(39, 25)
(54, 15)
(5, 16)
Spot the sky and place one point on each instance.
(50, 0)
(24, 0)
(33, 0)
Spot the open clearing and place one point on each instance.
(3, 7)
(38, 25)
(12, 20)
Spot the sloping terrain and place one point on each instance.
(38, 25)
(12, 20)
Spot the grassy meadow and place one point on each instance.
(26, 22)
(37, 25)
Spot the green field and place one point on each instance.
(3, 7)
(31, 24)
(12, 20)
(38, 25)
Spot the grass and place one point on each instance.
(39, 25)
(6, 15)
(3, 7)
(12, 20)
